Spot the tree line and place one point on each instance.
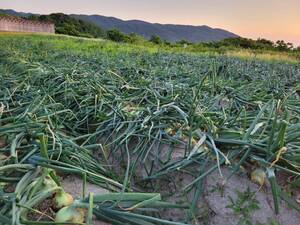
(65, 24)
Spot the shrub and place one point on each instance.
(117, 36)
(155, 39)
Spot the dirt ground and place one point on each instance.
(218, 202)
(74, 186)
(214, 201)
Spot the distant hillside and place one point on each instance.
(14, 13)
(167, 32)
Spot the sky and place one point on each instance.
(271, 19)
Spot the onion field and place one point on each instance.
(131, 120)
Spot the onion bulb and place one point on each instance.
(258, 176)
(3, 158)
(48, 183)
(3, 142)
(62, 199)
(70, 214)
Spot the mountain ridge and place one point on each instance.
(168, 32)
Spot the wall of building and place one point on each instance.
(21, 25)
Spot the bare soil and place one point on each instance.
(212, 206)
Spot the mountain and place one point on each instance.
(14, 13)
(168, 32)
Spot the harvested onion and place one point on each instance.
(62, 199)
(2, 158)
(70, 214)
(49, 183)
(258, 176)
(3, 142)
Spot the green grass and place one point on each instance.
(71, 105)
(87, 46)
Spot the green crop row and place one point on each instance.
(127, 118)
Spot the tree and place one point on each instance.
(135, 38)
(290, 46)
(155, 39)
(116, 35)
(282, 46)
(33, 17)
(165, 42)
(65, 24)
(183, 42)
(265, 42)
(238, 42)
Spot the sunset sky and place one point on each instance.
(272, 19)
